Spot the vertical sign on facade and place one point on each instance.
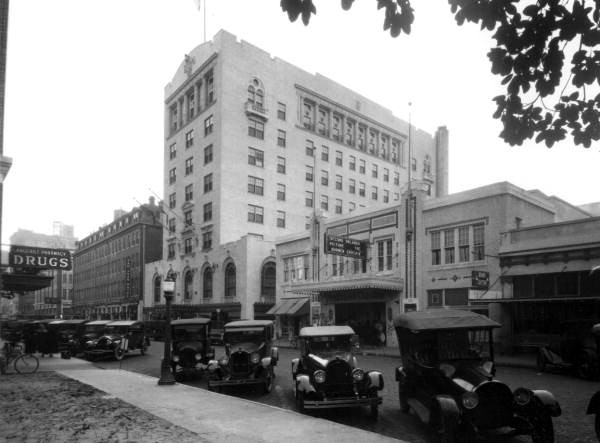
(128, 277)
(315, 313)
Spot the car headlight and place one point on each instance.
(522, 396)
(198, 356)
(176, 358)
(223, 361)
(319, 376)
(358, 374)
(470, 400)
(255, 357)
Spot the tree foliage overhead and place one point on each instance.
(546, 97)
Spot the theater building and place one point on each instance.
(253, 147)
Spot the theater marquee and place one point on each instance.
(347, 247)
(39, 258)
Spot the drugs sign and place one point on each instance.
(347, 247)
(39, 258)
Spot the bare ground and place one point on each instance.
(48, 407)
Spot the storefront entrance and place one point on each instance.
(367, 320)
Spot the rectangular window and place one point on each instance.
(308, 116)
(172, 176)
(386, 175)
(463, 244)
(338, 182)
(281, 138)
(255, 185)
(280, 219)
(280, 191)
(374, 193)
(352, 163)
(325, 154)
(208, 125)
(206, 240)
(362, 166)
(172, 225)
(436, 252)
(448, 246)
(189, 165)
(207, 211)
(173, 118)
(208, 154)
(310, 148)
(352, 186)
(375, 172)
(339, 158)
(256, 128)
(256, 157)
(338, 206)
(187, 218)
(191, 104)
(396, 178)
(478, 243)
(324, 178)
(208, 183)
(172, 151)
(189, 139)
(325, 202)
(172, 200)
(281, 111)
(187, 246)
(413, 164)
(386, 196)
(255, 214)
(171, 251)
(189, 192)
(361, 189)
(309, 173)
(210, 87)
(281, 165)
(308, 199)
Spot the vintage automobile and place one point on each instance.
(577, 349)
(66, 334)
(249, 357)
(119, 337)
(594, 408)
(447, 379)
(327, 375)
(190, 346)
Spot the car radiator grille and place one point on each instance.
(240, 362)
(338, 378)
(187, 358)
(495, 407)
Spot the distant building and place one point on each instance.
(109, 264)
(592, 208)
(254, 148)
(56, 299)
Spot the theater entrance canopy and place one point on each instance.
(374, 288)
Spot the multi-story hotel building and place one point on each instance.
(109, 264)
(254, 146)
(56, 299)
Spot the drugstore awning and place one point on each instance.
(290, 306)
(375, 282)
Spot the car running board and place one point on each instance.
(420, 409)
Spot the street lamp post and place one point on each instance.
(166, 376)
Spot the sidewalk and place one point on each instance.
(213, 416)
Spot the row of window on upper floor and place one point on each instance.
(468, 240)
(109, 248)
(192, 102)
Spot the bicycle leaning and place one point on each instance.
(22, 362)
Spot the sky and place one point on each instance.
(85, 93)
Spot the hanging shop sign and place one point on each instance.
(347, 247)
(39, 258)
(480, 279)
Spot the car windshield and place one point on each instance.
(94, 328)
(247, 335)
(116, 330)
(189, 333)
(463, 344)
(329, 344)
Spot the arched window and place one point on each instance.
(230, 281)
(267, 281)
(207, 279)
(188, 282)
(251, 94)
(256, 93)
(156, 289)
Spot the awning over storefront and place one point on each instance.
(539, 300)
(22, 282)
(389, 284)
(290, 306)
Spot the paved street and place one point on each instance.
(573, 394)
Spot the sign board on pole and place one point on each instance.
(347, 247)
(39, 258)
(480, 279)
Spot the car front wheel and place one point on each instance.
(119, 353)
(543, 429)
(374, 413)
(268, 386)
(404, 406)
(300, 400)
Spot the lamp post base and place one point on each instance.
(166, 376)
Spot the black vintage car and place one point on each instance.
(67, 336)
(119, 337)
(190, 346)
(249, 357)
(577, 349)
(327, 374)
(447, 379)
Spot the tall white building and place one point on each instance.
(254, 147)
